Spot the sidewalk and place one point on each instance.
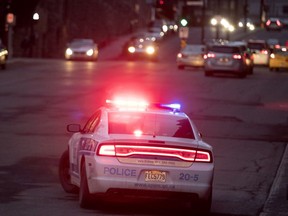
(277, 201)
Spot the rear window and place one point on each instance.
(224, 49)
(256, 46)
(149, 124)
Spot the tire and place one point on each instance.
(3, 66)
(202, 207)
(242, 74)
(85, 198)
(64, 174)
(208, 73)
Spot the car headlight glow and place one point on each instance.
(69, 51)
(131, 49)
(90, 52)
(150, 50)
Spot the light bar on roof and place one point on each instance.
(128, 104)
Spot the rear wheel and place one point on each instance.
(208, 73)
(85, 198)
(202, 206)
(64, 174)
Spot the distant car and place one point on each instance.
(274, 24)
(225, 59)
(155, 32)
(138, 47)
(247, 53)
(191, 56)
(82, 49)
(273, 43)
(130, 148)
(249, 24)
(3, 57)
(279, 59)
(260, 50)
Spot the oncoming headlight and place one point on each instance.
(131, 49)
(90, 52)
(150, 50)
(69, 52)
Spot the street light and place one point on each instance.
(36, 17)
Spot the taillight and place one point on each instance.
(268, 22)
(272, 55)
(179, 55)
(278, 23)
(209, 55)
(264, 52)
(191, 155)
(237, 56)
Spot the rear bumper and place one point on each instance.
(114, 178)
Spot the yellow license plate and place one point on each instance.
(155, 176)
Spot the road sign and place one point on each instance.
(183, 32)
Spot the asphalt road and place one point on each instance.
(245, 120)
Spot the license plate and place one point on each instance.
(155, 176)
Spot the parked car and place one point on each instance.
(3, 57)
(260, 50)
(191, 56)
(274, 24)
(279, 58)
(225, 59)
(82, 49)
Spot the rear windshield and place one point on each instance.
(224, 49)
(256, 46)
(149, 124)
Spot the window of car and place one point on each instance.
(149, 124)
(225, 49)
(256, 46)
(92, 123)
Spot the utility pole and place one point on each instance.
(262, 13)
(245, 15)
(203, 22)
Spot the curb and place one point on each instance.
(276, 203)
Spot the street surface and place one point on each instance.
(245, 120)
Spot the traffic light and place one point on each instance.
(183, 22)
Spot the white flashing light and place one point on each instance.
(128, 104)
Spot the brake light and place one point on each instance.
(190, 155)
(272, 55)
(179, 55)
(277, 46)
(278, 23)
(264, 52)
(268, 22)
(209, 55)
(237, 56)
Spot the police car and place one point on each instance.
(133, 148)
